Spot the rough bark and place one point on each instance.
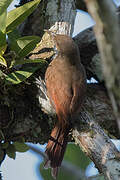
(89, 53)
(98, 147)
(104, 14)
(49, 13)
(28, 117)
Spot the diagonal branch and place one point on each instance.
(97, 145)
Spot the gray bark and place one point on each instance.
(104, 13)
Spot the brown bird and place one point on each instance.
(66, 86)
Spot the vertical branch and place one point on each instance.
(62, 13)
(58, 13)
(108, 39)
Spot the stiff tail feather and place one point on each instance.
(56, 148)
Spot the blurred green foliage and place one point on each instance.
(73, 155)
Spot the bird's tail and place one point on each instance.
(56, 148)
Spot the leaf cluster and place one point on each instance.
(10, 148)
(14, 49)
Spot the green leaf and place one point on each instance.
(23, 41)
(20, 76)
(5, 145)
(4, 5)
(3, 61)
(18, 15)
(10, 151)
(73, 152)
(12, 39)
(27, 44)
(3, 44)
(21, 139)
(22, 45)
(3, 49)
(21, 147)
(26, 61)
(3, 17)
